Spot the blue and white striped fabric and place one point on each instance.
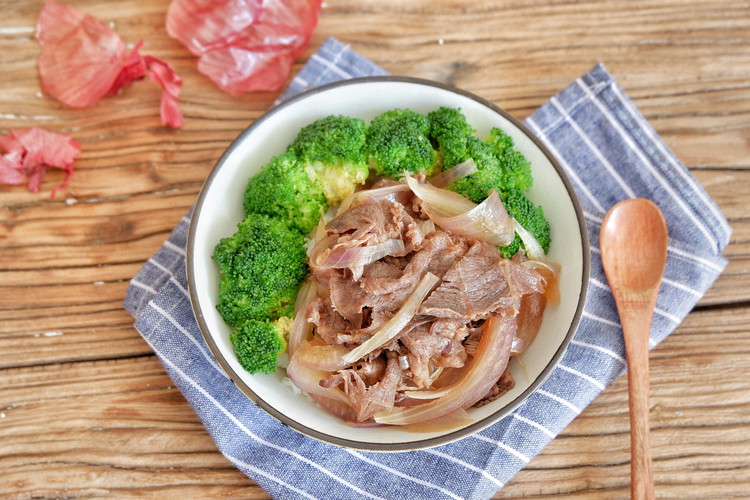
(611, 153)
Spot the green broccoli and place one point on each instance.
(516, 168)
(529, 216)
(449, 132)
(398, 141)
(257, 345)
(262, 266)
(499, 167)
(283, 189)
(330, 150)
(489, 174)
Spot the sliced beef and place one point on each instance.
(448, 251)
(385, 182)
(367, 400)
(382, 270)
(366, 226)
(355, 302)
(521, 279)
(332, 327)
(452, 329)
(349, 300)
(503, 385)
(479, 284)
(437, 254)
(385, 285)
(374, 223)
(370, 372)
(425, 349)
(359, 225)
(405, 198)
(403, 225)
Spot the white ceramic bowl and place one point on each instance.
(219, 209)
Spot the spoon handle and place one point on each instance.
(636, 326)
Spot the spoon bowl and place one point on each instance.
(633, 243)
(636, 231)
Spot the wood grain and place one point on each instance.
(86, 410)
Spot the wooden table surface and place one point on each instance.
(86, 409)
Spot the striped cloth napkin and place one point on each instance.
(610, 153)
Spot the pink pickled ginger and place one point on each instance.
(28, 153)
(244, 45)
(83, 60)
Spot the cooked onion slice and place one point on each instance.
(427, 394)
(315, 249)
(463, 169)
(344, 257)
(484, 370)
(340, 409)
(395, 192)
(319, 232)
(427, 227)
(403, 362)
(301, 328)
(551, 273)
(488, 221)
(397, 322)
(446, 201)
(308, 379)
(533, 248)
(325, 357)
(529, 320)
(453, 420)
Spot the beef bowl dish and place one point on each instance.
(387, 263)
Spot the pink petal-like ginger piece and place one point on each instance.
(83, 60)
(162, 73)
(81, 56)
(30, 151)
(244, 45)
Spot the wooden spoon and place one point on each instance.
(633, 243)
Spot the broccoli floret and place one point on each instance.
(530, 216)
(489, 174)
(257, 345)
(398, 141)
(330, 150)
(499, 167)
(283, 189)
(516, 168)
(262, 266)
(449, 132)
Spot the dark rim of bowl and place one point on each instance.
(416, 443)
